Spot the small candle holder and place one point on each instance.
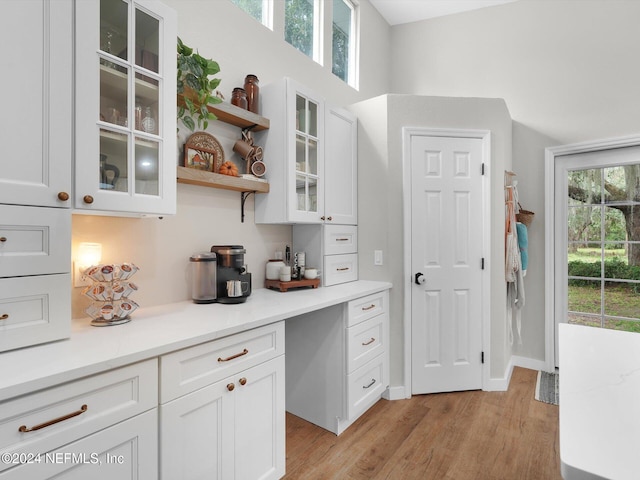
(110, 294)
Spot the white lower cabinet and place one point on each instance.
(333, 249)
(99, 427)
(234, 427)
(338, 361)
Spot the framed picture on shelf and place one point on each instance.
(200, 158)
(203, 152)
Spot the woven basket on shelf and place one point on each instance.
(524, 216)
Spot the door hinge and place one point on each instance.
(481, 357)
(482, 264)
(483, 169)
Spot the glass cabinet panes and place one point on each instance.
(130, 92)
(146, 169)
(113, 161)
(306, 154)
(147, 41)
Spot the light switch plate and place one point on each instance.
(377, 257)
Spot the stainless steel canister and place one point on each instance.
(203, 277)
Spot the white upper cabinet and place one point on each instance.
(341, 167)
(35, 162)
(125, 107)
(311, 157)
(294, 152)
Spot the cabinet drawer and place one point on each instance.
(126, 451)
(34, 240)
(76, 409)
(367, 307)
(187, 370)
(339, 239)
(34, 310)
(365, 341)
(340, 269)
(366, 385)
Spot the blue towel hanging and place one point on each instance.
(523, 244)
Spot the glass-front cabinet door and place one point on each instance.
(125, 106)
(306, 200)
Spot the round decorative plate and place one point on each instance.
(203, 152)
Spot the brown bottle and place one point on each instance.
(239, 98)
(251, 86)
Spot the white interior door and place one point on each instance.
(446, 261)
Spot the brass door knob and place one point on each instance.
(87, 199)
(63, 196)
(230, 387)
(243, 381)
(3, 239)
(4, 316)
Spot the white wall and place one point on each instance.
(207, 216)
(568, 72)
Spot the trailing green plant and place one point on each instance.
(196, 86)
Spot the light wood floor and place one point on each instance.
(456, 436)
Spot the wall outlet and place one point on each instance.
(377, 257)
(80, 280)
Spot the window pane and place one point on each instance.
(585, 186)
(585, 296)
(252, 7)
(298, 25)
(342, 34)
(583, 224)
(621, 299)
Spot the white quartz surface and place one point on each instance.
(158, 330)
(599, 403)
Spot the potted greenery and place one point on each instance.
(196, 88)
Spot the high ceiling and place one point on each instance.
(405, 11)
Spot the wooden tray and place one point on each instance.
(284, 286)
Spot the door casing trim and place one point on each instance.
(551, 153)
(485, 136)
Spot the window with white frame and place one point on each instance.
(344, 40)
(258, 9)
(301, 18)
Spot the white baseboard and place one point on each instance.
(500, 384)
(395, 393)
(530, 363)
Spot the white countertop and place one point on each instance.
(157, 330)
(599, 403)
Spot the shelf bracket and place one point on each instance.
(243, 198)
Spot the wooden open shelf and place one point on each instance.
(236, 116)
(203, 178)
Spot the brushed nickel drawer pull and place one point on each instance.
(369, 307)
(4, 316)
(24, 428)
(243, 352)
(373, 380)
(364, 344)
(3, 239)
(342, 269)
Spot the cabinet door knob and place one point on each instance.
(329, 218)
(322, 218)
(63, 196)
(230, 387)
(243, 381)
(3, 239)
(4, 316)
(87, 199)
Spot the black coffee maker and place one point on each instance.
(233, 280)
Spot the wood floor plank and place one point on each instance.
(463, 435)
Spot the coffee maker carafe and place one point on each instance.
(233, 280)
